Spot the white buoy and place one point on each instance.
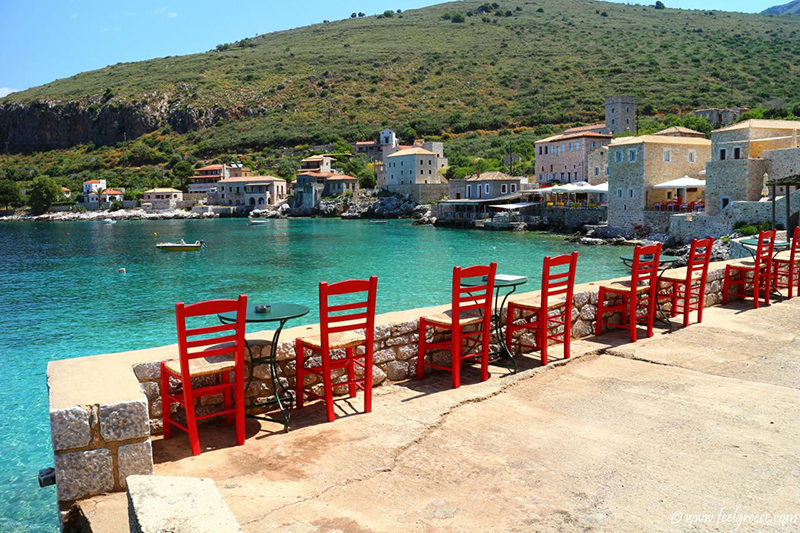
(122, 270)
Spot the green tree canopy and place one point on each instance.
(43, 193)
(10, 195)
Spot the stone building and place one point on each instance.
(161, 198)
(597, 164)
(489, 185)
(621, 114)
(680, 131)
(316, 163)
(636, 164)
(415, 165)
(311, 187)
(249, 192)
(721, 116)
(565, 158)
(742, 154)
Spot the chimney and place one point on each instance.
(794, 138)
(479, 172)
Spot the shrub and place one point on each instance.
(42, 194)
(458, 18)
(660, 5)
(388, 13)
(10, 195)
(447, 16)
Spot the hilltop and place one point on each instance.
(448, 68)
(785, 9)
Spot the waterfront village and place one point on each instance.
(602, 179)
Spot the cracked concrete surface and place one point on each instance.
(605, 442)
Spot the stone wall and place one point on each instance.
(571, 219)
(105, 408)
(422, 193)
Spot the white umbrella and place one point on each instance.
(681, 183)
(600, 188)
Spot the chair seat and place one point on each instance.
(625, 286)
(342, 339)
(783, 257)
(535, 303)
(746, 263)
(446, 318)
(203, 366)
(678, 275)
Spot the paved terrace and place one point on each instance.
(621, 438)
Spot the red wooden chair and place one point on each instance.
(636, 294)
(689, 288)
(786, 266)
(553, 307)
(224, 354)
(471, 306)
(756, 272)
(342, 326)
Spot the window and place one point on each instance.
(594, 144)
(667, 156)
(503, 188)
(691, 155)
(596, 171)
(513, 187)
(737, 153)
(469, 191)
(724, 201)
(486, 188)
(669, 195)
(722, 154)
(618, 156)
(632, 156)
(619, 193)
(630, 193)
(577, 145)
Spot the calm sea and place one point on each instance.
(61, 296)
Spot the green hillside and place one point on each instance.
(523, 63)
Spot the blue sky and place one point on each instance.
(43, 40)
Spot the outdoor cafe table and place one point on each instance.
(751, 245)
(507, 284)
(281, 313)
(665, 262)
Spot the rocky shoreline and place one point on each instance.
(120, 214)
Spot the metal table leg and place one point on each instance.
(497, 319)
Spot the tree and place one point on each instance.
(287, 168)
(353, 15)
(660, 5)
(458, 18)
(388, 13)
(43, 193)
(10, 195)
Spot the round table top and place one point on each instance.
(278, 311)
(500, 280)
(753, 241)
(663, 258)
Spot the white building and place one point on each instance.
(93, 186)
(161, 198)
(415, 165)
(252, 192)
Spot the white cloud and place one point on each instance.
(5, 91)
(164, 12)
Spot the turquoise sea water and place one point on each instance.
(61, 296)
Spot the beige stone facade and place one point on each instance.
(597, 163)
(636, 164)
(565, 158)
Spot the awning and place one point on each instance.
(570, 187)
(600, 188)
(511, 207)
(681, 183)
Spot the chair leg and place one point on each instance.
(701, 303)
(485, 349)
(455, 356)
(166, 403)
(327, 384)
(768, 280)
(238, 395)
(633, 302)
(368, 355)
(687, 299)
(227, 394)
(567, 330)
(651, 311)
(598, 325)
(674, 300)
(541, 333)
(299, 354)
(726, 285)
(421, 348)
(191, 420)
(351, 372)
(509, 325)
(756, 289)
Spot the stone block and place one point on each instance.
(582, 329)
(69, 428)
(397, 370)
(384, 356)
(403, 339)
(262, 372)
(178, 505)
(134, 459)
(407, 351)
(151, 389)
(404, 328)
(83, 474)
(285, 351)
(579, 299)
(382, 332)
(148, 371)
(156, 426)
(156, 409)
(124, 420)
(588, 312)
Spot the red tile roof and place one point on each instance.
(92, 181)
(112, 191)
(584, 128)
(366, 143)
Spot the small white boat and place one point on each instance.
(378, 222)
(182, 246)
(255, 222)
(108, 221)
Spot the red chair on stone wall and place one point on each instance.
(553, 307)
(689, 289)
(220, 355)
(786, 266)
(471, 308)
(755, 273)
(340, 329)
(638, 294)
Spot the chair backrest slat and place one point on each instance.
(557, 282)
(794, 255)
(332, 323)
(480, 297)
(645, 266)
(231, 343)
(766, 245)
(699, 258)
